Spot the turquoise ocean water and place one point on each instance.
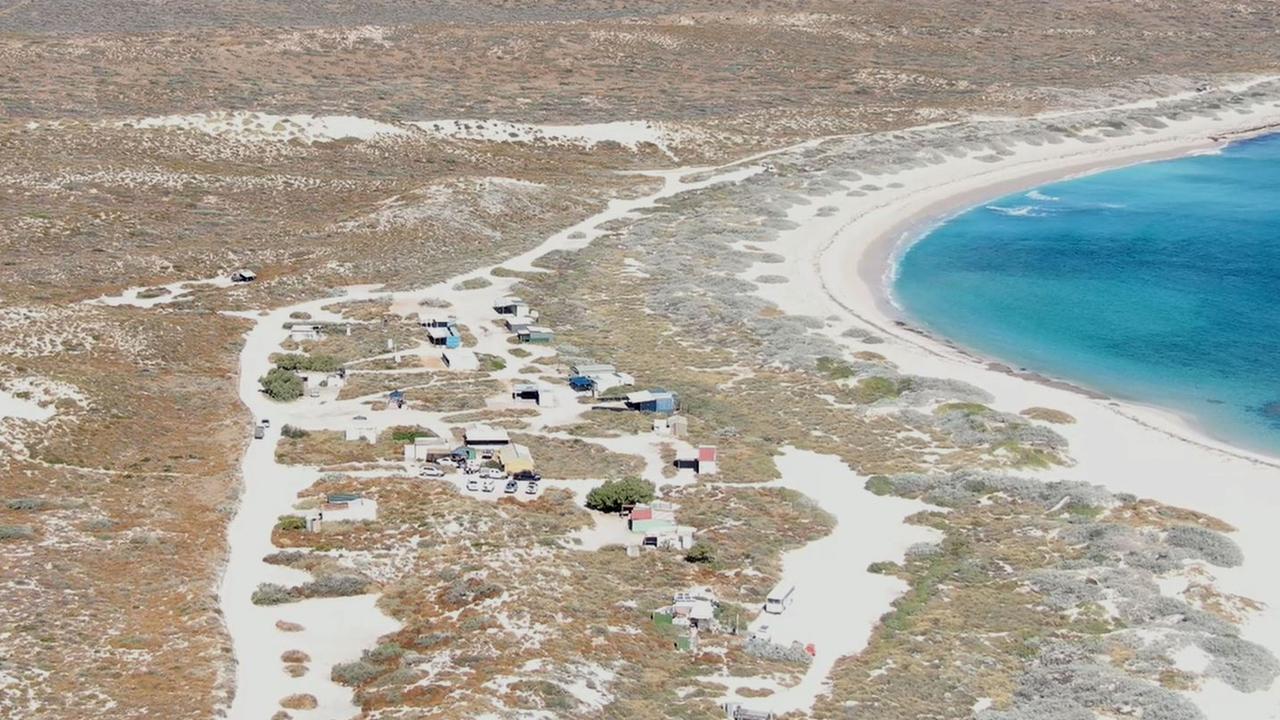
(1158, 283)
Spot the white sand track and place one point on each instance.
(837, 602)
(338, 629)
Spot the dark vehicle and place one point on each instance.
(259, 432)
(527, 476)
(511, 487)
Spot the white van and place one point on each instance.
(779, 598)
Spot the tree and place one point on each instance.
(614, 495)
(281, 384)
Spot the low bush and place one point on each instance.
(16, 532)
(293, 431)
(291, 522)
(27, 504)
(309, 363)
(334, 586)
(354, 673)
(272, 594)
(701, 552)
(473, 284)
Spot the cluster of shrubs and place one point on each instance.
(794, 653)
(336, 585)
(1119, 563)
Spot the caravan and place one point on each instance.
(780, 598)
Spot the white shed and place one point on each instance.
(361, 429)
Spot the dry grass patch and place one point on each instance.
(330, 447)
(574, 459)
(1049, 415)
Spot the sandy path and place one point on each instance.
(837, 602)
(338, 629)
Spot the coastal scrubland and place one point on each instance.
(115, 504)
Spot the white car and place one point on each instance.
(473, 485)
(531, 489)
(264, 422)
(431, 471)
(487, 485)
(447, 462)
(493, 474)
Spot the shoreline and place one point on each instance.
(1126, 447)
(876, 268)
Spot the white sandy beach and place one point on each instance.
(1125, 447)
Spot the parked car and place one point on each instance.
(511, 487)
(527, 476)
(493, 474)
(487, 485)
(471, 468)
(531, 489)
(431, 471)
(259, 432)
(473, 485)
(447, 462)
(264, 422)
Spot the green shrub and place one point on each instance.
(834, 368)
(384, 653)
(879, 485)
(490, 363)
(354, 673)
(701, 552)
(281, 384)
(473, 284)
(291, 522)
(16, 532)
(614, 495)
(311, 363)
(293, 431)
(271, 594)
(874, 389)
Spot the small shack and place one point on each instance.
(652, 401)
(304, 332)
(460, 359)
(518, 324)
(435, 321)
(427, 449)
(601, 382)
(735, 711)
(591, 368)
(526, 391)
(651, 517)
(677, 426)
(485, 437)
(243, 276)
(515, 458)
(361, 429)
(510, 306)
(342, 507)
(443, 337)
(536, 334)
(708, 460)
